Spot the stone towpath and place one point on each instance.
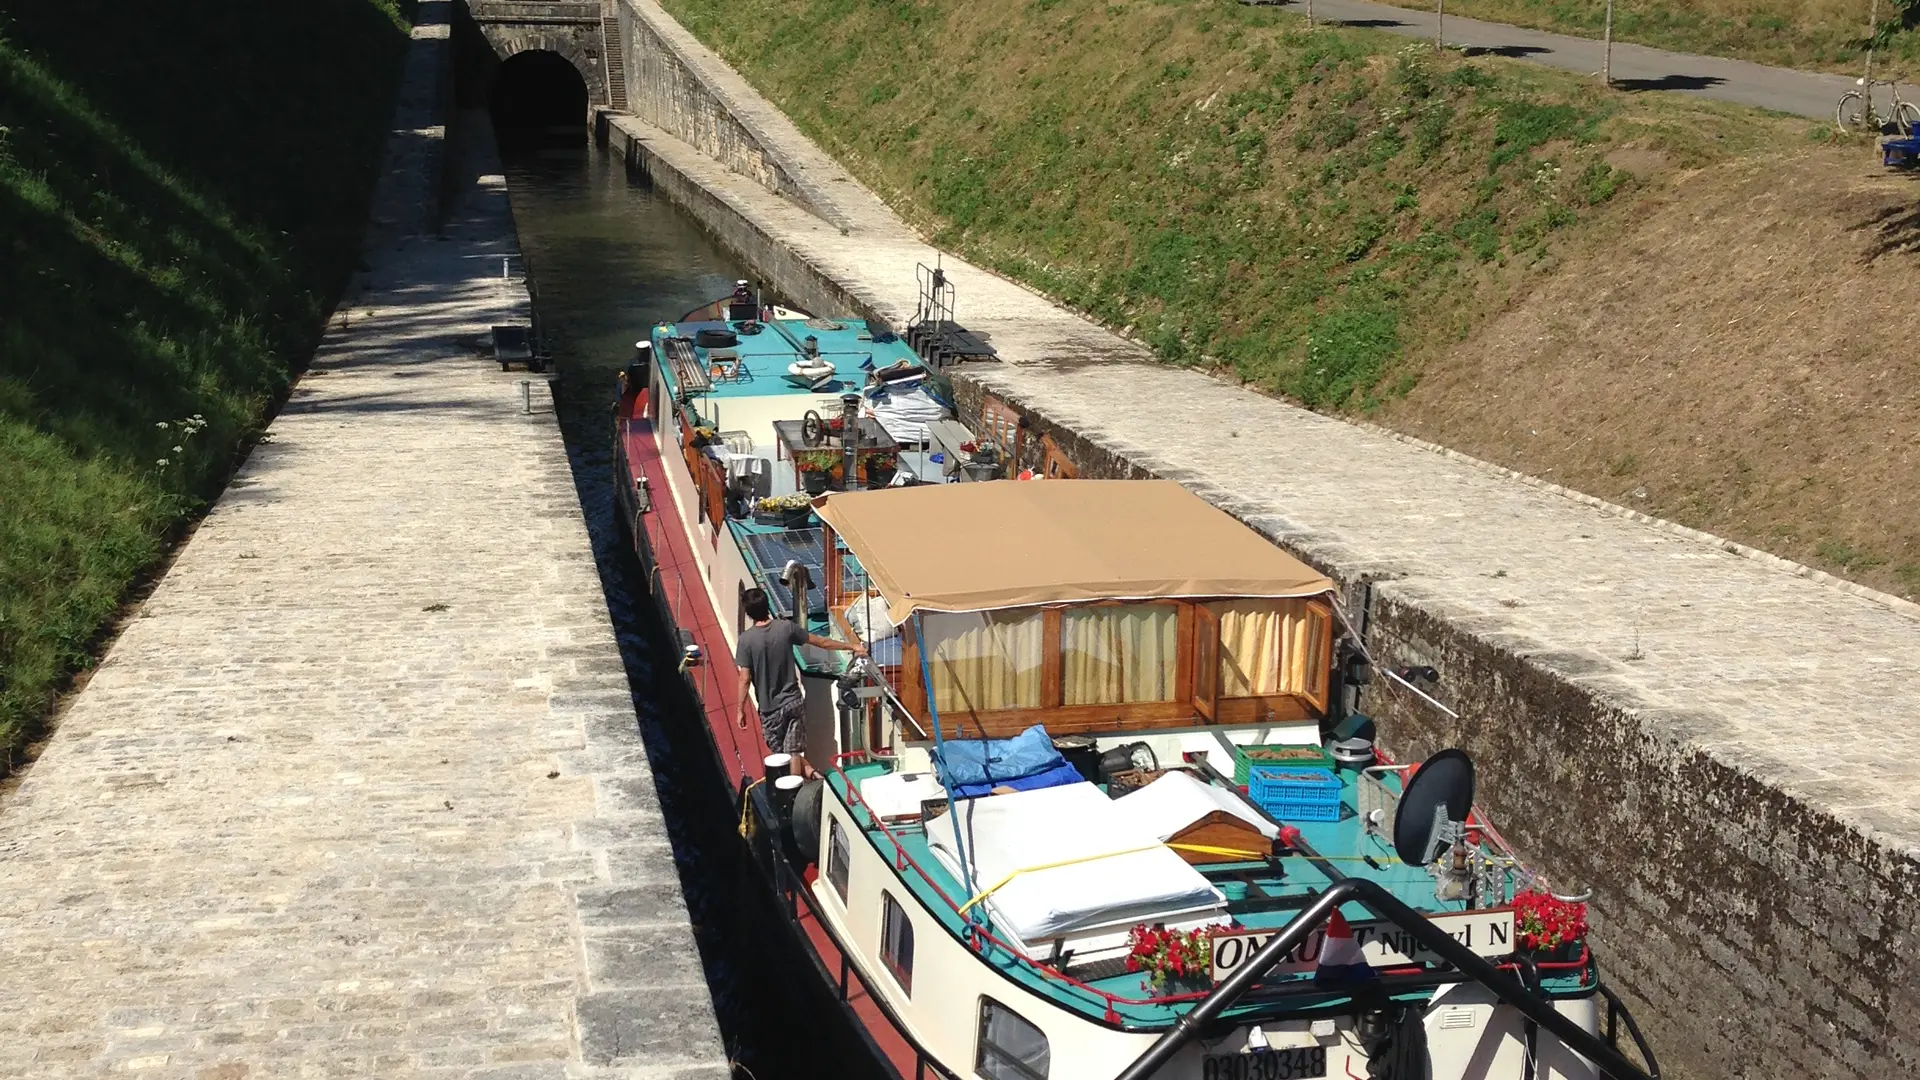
(359, 792)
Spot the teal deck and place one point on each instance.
(1343, 843)
(766, 355)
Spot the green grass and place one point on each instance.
(183, 188)
(1308, 211)
(1821, 35)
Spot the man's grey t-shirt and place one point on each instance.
(767, 654)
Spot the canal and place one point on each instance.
(609, 258)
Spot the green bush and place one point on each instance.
(1348, 349)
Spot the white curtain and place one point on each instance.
(1119, 653)
(982, 661)
(1267, 647)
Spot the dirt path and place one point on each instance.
(1635, 67)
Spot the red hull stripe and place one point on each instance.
(740, 750)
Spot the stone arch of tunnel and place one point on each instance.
(540, 88)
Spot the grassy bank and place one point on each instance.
(1304, 209)
(1818, 35)
(182, 192)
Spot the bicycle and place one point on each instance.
(1856, 113)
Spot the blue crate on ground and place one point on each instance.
(1290, 793)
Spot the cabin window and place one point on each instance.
(1010, 1048)
(896, 941)
(1267, 647)
(1119, 653)
(838, 861)
(982, 661)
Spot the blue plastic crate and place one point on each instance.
(1289, 793)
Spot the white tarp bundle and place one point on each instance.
(1065, 859)
(902, 406)
(1177, 800)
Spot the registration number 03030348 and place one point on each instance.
(1291, 1063)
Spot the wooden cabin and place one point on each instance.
(1095, 606)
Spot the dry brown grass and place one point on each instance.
(1742, 360)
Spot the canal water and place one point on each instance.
(609, 258)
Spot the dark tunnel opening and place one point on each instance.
(538, 90)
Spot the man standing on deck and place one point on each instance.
(765, 656)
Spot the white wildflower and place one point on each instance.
(163, 462)
(162, 425)
(179, 449)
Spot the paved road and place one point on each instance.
(1635, 67)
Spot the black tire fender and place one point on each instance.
(803, 824)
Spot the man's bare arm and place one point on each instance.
(835, 644)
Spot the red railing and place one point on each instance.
(977, 934)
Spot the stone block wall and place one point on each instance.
(1755, 934)
(667, 89)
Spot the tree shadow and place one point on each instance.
(1368, 24)
(1668, 82)
(1511, 52)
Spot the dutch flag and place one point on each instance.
(1340, 957)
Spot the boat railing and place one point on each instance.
(1617, 1013)
(794, 892)
(979, 937)
(1539, 1010)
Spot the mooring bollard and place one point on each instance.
(526, 397)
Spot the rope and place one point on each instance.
(933, 713)
(746, 807)
(1052, 866)
(1206, 849)
(1200, 849)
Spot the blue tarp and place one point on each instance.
(1062, 773)
(987, 763)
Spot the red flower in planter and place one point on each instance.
(1545, 922)
(1184, 955)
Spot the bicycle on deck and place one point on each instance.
(1856, 112)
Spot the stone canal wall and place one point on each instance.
(694, 103)
(1718, 742)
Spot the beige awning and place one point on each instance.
(1009, 543)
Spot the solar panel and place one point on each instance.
(773, 551)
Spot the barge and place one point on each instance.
(1090, 803)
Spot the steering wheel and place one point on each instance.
(813, 430)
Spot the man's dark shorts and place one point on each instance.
(784, 725)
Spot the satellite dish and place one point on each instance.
(1433, 810)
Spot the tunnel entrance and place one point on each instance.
(538, 90)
